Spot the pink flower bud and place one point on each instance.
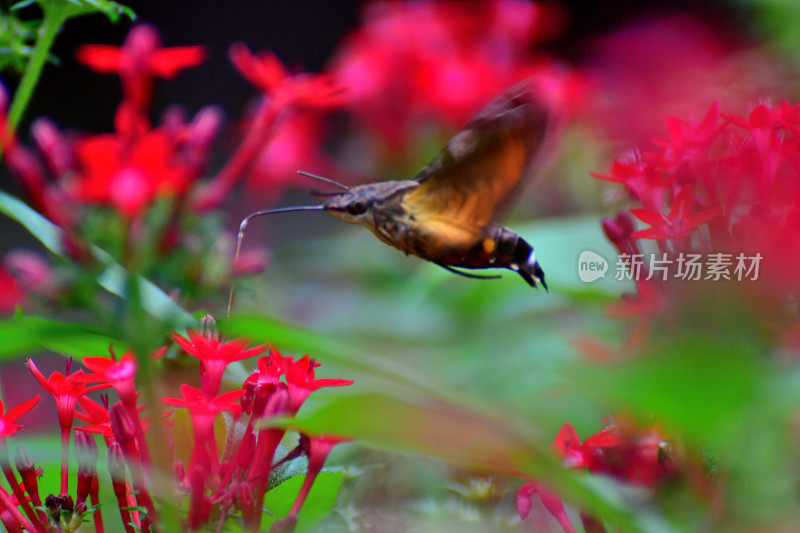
(54, 147)
(32, 271)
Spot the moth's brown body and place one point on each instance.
(445, 214)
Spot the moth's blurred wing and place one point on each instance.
(468, 182)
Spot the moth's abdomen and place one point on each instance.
(501, 248)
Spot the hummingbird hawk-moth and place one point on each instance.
(446, 213)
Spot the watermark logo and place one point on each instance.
(591, 266)
(685, 266)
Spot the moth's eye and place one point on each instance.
(357, 208)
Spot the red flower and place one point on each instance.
(204, 461)
(636, 459)
(268, 74)
(728, 184)
(551, 502)
(317, 449)
(7, 421)
(139, 60)
(295, 145)
(96, 415)
(214, 356)
(129, 177)
(119, 374)
(11, 294)
(300, 379)
(678, 223)
(65, 390)
(412, 62)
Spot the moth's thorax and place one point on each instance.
(362, 203)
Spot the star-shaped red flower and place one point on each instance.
(268, 74)
(214, 356)
(7, 419)
(120, 374)
(65, 390)
(128, 176)
(678, 223)
(300, 379)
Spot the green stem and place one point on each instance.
(54, 17)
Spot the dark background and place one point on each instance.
(302, 34)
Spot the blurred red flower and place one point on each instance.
(637, 458)
(724, 184)
(128, 176)
(673, 65)
(11, 294)
(268, 74)
(8, 425)
(294, 146)
(139, 60)
(420, 61)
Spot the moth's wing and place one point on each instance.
(482, 165)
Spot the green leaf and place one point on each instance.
(712, 389)
(154, 300)
(22, 4)
(467, 437)
(30, 334)
(321, 500)
(76, 8)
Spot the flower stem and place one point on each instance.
(54, 17)
(5, 502)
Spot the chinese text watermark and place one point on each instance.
(684, 266)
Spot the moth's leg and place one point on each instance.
(467, 274)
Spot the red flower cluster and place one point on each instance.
(132, 167)
(639, 459)
(218, 482)
(138, 163)
(421, 61)
(725, 183)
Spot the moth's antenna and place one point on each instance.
(323, 178)
(243, 226)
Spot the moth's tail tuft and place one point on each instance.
(532, 272)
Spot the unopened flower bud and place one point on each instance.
(123, 428)
(86, 450)
(57, 153)
(208, 328)
(116, 463)
(27, 470)
(31, 270)
(24, 460)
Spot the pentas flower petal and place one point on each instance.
(687, 134)
(264, 70)
(196, 402)
(300, 378)
(93, 412)
(678, 223)
(214, 356)
(119, 374)
(161, 62)
(568, 445)
(551, 502)
(269, 75)
(11, 294)
(129, 176)
(168, 62)
(7, 425)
